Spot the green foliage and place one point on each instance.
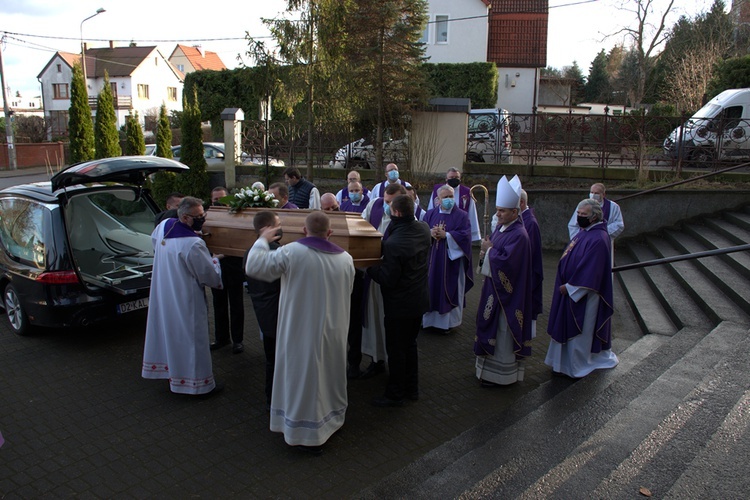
(161, 185)
(106, 137)
(135, 145)
(597, 87)
(195, 181)
(578, 84)
(163, 134)
(80, 125)
(477, 81)
(730, 74)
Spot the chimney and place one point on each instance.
(111, 44)
(85, 46)
(200, 49)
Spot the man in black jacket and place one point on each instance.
(403, 279)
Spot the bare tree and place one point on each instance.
(649, 32)
(686, 84)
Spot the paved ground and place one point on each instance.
(79, 421)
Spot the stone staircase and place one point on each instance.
(671, 421)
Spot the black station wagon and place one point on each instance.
(77, 249)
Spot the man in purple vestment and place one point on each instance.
(281, 192)
(537, 266)
(464, 201)
(504, 312)
(451, 274)
(343, 195)
(356, 199)
(581, 310)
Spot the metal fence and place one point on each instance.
(610, 140)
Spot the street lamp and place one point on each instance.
(83, 46)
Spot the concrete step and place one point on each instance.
(739, 219)
(703, 291)
(734, 286)
(675, 300)
(642, 297)
(731, 231)
(739, 261)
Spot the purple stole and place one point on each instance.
(384, 184)
(376, 214)
(348, 206)
(463, 197)
(173, 228)
(606, 207)
(509, 287)
(443, 271)
(344, 194)
(290, 206)
(418, 211)
(537, 267)
(585, 263)
(320, 244)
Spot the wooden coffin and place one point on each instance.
(233, 233)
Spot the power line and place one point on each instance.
(129, 40)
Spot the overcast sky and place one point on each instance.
(36, 29)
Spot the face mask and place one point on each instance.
(393, 175)
(387, 209)
(355, 197)
(596, 197)
(447, 203)
(454, 183)
(583, 222)
(198, 223)
(279, 233)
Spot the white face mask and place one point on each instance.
(595, 196)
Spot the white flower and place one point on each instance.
(256, 198)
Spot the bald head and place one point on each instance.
(318, 224)
(328, 203)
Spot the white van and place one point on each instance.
(719, 130)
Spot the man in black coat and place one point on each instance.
(403, 279)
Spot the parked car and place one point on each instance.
(77, 249)
(719, 130)
(150, 150)
(361, 153)
(488, 136)
(213, 152)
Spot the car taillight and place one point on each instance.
(58, 277)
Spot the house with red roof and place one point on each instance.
(188, 59)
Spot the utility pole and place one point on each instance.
(12, 162)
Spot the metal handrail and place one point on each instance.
(683, 181)
(677, 258)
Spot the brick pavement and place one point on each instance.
(79, 421)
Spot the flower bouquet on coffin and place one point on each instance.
(249, 197)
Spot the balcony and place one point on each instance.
(121, 102)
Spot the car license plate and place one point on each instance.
(133, 305)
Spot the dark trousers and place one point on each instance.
(269, 347)
(354, 357)
(230, 298)
(403, 363)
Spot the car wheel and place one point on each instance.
(357, 163)
(17, 318)
(702, 157)
(473, 157)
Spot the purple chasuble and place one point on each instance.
(320, 244)
(348, 206)
(461, 194)
(376, 214)
(173, 228)
(508, 286)
(537, 266)
(443, 271)
(585, 263)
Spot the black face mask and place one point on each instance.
(454, 182)
(583, 222)
(198, 223)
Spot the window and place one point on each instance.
(142, 91)
(22, 227)
(181, 67)
(59, 68)
(172, 93)
(61, 91)
(441, 31)
(425, 34)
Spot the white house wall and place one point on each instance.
(158, 77)
(517, 88)
(51, 77)
(467, 38)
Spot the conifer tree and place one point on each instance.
(80, 125)
(106, 136)
(163, 134)
(195, 181)
(134, 143)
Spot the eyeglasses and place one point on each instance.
(201, 217)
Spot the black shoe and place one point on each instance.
(373, 369)
(384, 402)
(238, 348)
(353, 373)
(218, 387)
(217, 345)
(312, 450)
(487, 385)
